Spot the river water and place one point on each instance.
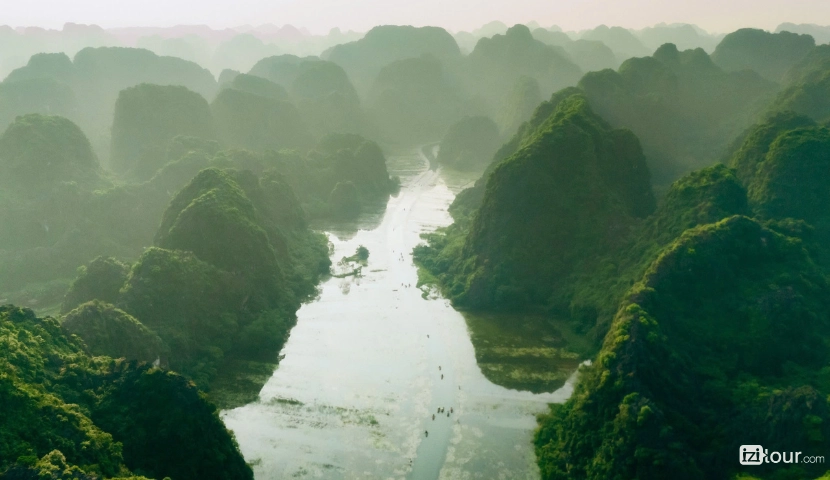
(362, 374)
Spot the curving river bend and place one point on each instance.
(360, 380)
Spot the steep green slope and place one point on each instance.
(40, 150)
(193, 306)
(258, 86)
(363, 59)
(101, 279)
(578, 185)
(146, 118)
(358, 160)
(57, 66)
(414, 100)
(783, 162)
(467, 201)
(103, 72)
(770, 54)
(681, 105)
(791, 181)
(701, 197)
(251, 121)
(588, 291)
(312, 177)
(496, 63)
(46, 96)
(721, 343)
(111, 332)
(213, 218)
(236, 257)
(321, 90)
(620, 40)
(66, 413)
(518, 105)
(808, 86)
(49, 175)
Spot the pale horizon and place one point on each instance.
(320, 16)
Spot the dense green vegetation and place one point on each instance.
(621, 41)
(257, 85)
(49, 176)
(307, 179)
(108, 331)
(414, 101)
(146, 118)
(235, 258)
(363, 59)
(101, 279)
(163, 216)
(783, 163)
(589, 55)
(721, 343)
(578, 183)
(95, 76)
(699, 198)
(497, 63)
(808, 84)
(321, 90)
(247, 120)
(681, 105)
(67, 414)
(713, 324)
(40, 95)
(39, 151)
(770, 54)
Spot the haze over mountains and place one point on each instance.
(658, 200)
(216, 48)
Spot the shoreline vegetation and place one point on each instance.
(668, 293)
(655, 201)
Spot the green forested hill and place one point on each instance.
(712, 308)
(363, 59)
(770, 54)
(233, 259)
(721, 343)
(807, 89)
(496, 63)
(67, 414)
(414, 100)
(39, 151)
(684, 108)
(783, 161)
(323, 92)
(578, 185)
(146, 118)
(247, 120)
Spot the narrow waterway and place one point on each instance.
(362, 374)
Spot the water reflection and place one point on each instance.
(360, 380)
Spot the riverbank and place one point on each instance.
(355, 392)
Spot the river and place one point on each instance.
(361, 376)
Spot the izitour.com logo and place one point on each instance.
(758, 455)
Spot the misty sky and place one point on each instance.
(321, 15)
